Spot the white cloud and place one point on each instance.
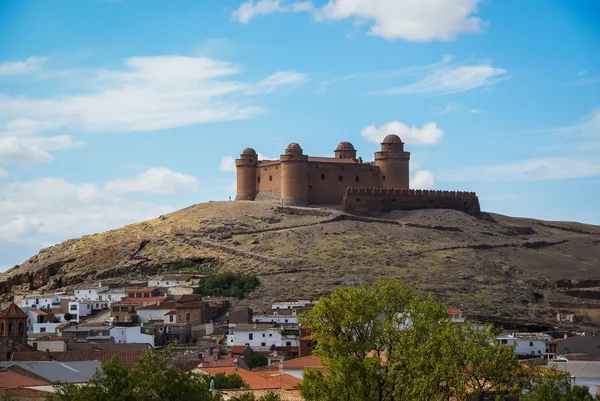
(25, 127)
(250, 9)
(413, 20)
(450, 108)
(158, 180)
(452, 80)
(24, 150)
(423, 179)
(537, 169)
(281, 78)
(227, 163)
(150, 93)
(49, 210)
(428, 134)
(475, 111)
(30, 65)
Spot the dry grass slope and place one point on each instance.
(511, 270)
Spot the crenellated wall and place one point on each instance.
(381, 200)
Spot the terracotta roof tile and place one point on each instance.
(143, 289)
(254, 380)
(128, 357)
(163, 305)
(309, 361)
(454, 310)
(237, 349)
(13, 311)
(12, 379)
(38, 312)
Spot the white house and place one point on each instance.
(263, 335)
(294, 304)
(48, 343)
(91, 293)
(532, 344)
(115, 295)
(34, 316)
(290, 319)
(155, 312)
(456, 315)
(49, 328)
(80, 309)
(42, 301)
(172, 280)
(131, 335)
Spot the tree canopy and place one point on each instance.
(226, 284)
(384, 342)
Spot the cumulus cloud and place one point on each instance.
(250, 9)
(23, 150)
(157, 180)
(150, 93)
(30, 65)
(412, 20)
(423, 179)
(45, 211)
(428, 134)
(452, 80)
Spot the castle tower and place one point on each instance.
(345, 150)
(13, 330)
(294, 176)
(246, 174)
(393, 163)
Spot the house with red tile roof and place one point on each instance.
(295, 367)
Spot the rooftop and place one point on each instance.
(254, 326)
(238, 349)
(143, 289)
(255, 380)
(12, 312)
(309, 361)
(138, 301)
(578, 369)
(13, 379)
(128, 357)
(71, 372)
(163, 305)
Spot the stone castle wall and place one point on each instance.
(381, 200)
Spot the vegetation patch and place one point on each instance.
(227, 284)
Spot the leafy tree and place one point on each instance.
(153, 379)
(223, 381)
(383, 342)
(556, 386)
(257, 360)
(68, 317)
(251, 397)
(226, 284)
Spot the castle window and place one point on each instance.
(322, 176)
(383, 177)
(340, 178)
(357, 179)
(258, 179)
(310, 186)
(270, 178)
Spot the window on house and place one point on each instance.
(187, 316)
(340, 177)
(539, 352)
(503, 341)
(171, 318)
(288, 343)
(73, 307)
(258, 179)
(263, 334)
(309, 343)
(357, 179)
(42, 329)
(322, 176)
(251, 336)
(531, 343)
(270, 335)
(263, 344)
(286, 320)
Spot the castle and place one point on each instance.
(297, 179)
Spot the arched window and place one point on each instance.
(11, 329)
(20, 329)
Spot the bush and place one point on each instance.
(226, 284)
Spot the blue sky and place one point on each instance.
(116, 111)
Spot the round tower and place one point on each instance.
(246, 175)
(345, 150)
(294, 176)
(393, 163)
(13, 325)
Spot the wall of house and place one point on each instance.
(254, 338)
(48, 327)
(589, 345)
(131, 335)
(112, 296)
(274, 319)
(40, 302)
(153, 314)
(53, 346)
(525, 346)
(194, 317)
(180, 290)
(373, 200)
(327, 182)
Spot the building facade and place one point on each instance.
(298, 179)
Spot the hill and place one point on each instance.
(513, 271)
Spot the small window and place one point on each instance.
(288, 343)
(340, 177)
(263, 334)
(258, 179)
(270, 335)
(263, 344)
(322, 176)
(286, 320)
(383, 177)
(42, 329)
(503, 342)
(270, 178)
(357, 179)
(250, 336)
(531, 343)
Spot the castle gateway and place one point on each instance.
(298, 179)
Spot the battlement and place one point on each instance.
(381, 200)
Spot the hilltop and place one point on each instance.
(503, 269)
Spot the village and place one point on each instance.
(65, 336)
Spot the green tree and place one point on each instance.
(68, 317)
(257, 360)
(251, 397)
(223, 381)
(556, 386)
(154, 378)
(383, 342)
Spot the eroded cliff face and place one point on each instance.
(507, 270)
